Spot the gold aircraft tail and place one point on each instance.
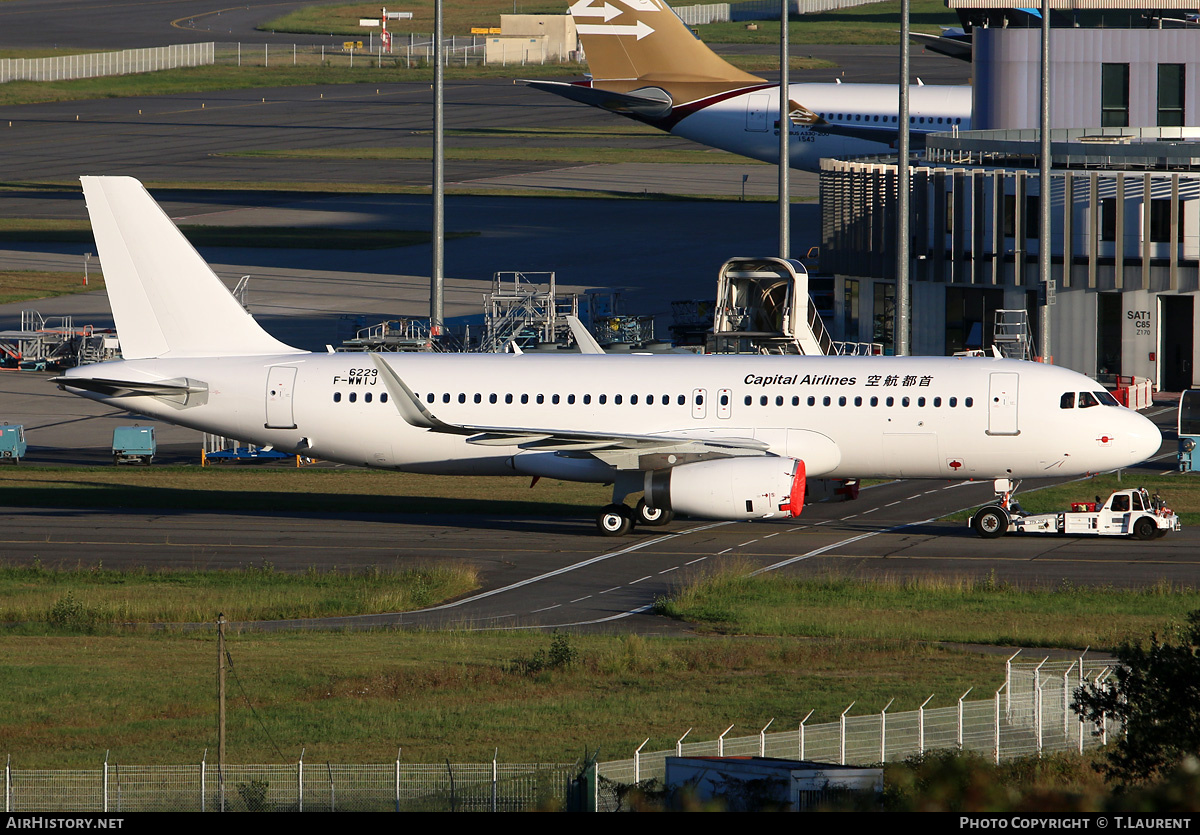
(632, 45)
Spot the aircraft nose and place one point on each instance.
(1144, 438)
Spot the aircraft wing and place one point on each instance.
(651, 101)
(619, 449)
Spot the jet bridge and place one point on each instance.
(763, 307)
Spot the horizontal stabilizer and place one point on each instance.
(131, 388)
(651, 102)
(165, 299)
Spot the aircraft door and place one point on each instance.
(1002, 403)
(756, 111)
(699, 403)
(281, 381)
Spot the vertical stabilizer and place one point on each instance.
(631, 44)
(165, 299)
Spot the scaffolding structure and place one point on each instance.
(55, 342)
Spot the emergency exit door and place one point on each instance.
(1002, 403)
(281, 381)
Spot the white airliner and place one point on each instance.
(721, 437)
(646, 64)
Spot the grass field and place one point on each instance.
(146, 697)
(927, 609)
(23, 285)
(357, 697)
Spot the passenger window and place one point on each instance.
(762, 401)
(602, 399)
(554, 400)
(812, 401)
(446, 397)
(462, 397)
(937, 402)
(524, 398)
(492, 397)
(478, 397)
(587, 398)
(354, 397)
(429, 398)
(617, 399)
(337, 395)
(541, 398)
(841, 401)
(825, 401)
(795, 401)
(904, 402)
(683, 400)
(969, 402)
(874, 401)
(725, 397)
(633, 400)
(570, 400)
(858, 401)
(749, 399)
(953, 402)
(367, 397)
(779, 400)
(508, 397)
(891, 401)
(383, 397)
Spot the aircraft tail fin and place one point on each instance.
(165, 299)
(634, 44)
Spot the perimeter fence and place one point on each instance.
(298, 787)
(1028, 715)
(408, 50)
(95, 64)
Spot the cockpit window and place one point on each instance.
(1106, 399)
(1086, 400)
(1067, 401)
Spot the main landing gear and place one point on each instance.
(619, 519)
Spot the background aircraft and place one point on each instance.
(646, 64)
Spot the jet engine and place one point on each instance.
(730, 488)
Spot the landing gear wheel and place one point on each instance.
(990, 522)
(1144, 529)
(643, 514)
(614, 520)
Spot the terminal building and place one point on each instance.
(1124, 197)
